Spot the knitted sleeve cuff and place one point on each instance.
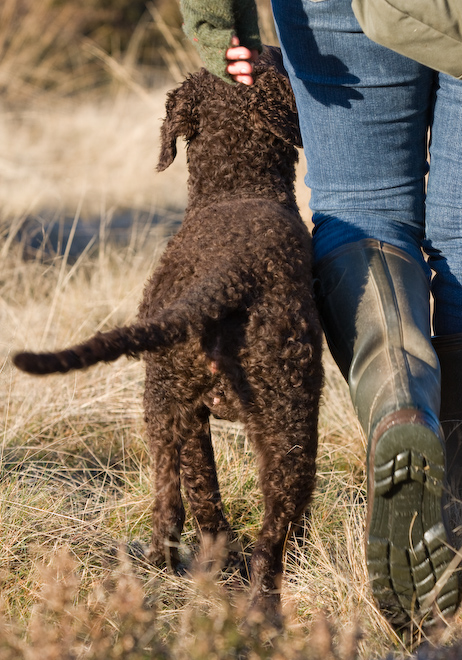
(210, 24)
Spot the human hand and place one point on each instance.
(241, 61)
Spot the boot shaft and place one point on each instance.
(374, 304)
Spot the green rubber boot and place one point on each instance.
(374, 304)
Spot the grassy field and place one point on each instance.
(75, 476)
(75, 484)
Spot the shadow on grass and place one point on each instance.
(47, 234)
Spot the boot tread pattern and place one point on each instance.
(408, 548)
(410, 575)
(408, 464)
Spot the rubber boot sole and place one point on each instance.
(408, 544)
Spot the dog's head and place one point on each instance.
(204, 104)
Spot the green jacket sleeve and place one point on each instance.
(210, 24)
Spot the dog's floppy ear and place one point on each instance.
(181, 119)
(276, 109)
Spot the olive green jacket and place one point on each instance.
(429, 31)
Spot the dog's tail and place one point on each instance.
(170, 326)
(102, 347)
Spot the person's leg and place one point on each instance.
(374, 304)
(443, 244)
(364, 114)
(443, 236)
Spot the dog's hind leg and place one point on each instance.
(199, 478)
(286, 460)
(168, 513)
(162, 427)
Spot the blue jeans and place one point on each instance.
(365, 114)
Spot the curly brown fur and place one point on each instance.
(227, 321)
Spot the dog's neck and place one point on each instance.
(214, 178)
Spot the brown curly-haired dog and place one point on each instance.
(227, 323)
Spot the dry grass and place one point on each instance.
(75, 481)
(70, 153)
(62, 47)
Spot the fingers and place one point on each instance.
(240, 59)
(239, 53)
(241, 72)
